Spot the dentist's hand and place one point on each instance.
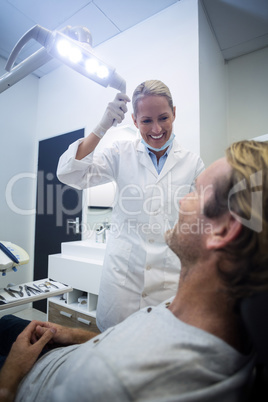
(115, 113)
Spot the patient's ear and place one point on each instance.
(225, 230)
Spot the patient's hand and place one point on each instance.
(22, 356)
(64, 336)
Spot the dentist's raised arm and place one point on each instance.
(114, 114)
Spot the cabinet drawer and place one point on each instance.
(70, 318)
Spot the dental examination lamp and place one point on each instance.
(11, 256)
(72, 46)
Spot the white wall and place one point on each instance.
(18, 109)
(248, 96)
(212, 95)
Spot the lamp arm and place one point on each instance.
(26, 67)
(37, 32)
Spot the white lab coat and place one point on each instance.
(139, 268)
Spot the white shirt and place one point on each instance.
(139, 268)
(151, 356)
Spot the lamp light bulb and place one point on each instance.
(66, 49)
(91, 65)
(102, 72)
(63, 47)
(75, 54)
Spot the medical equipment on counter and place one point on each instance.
(16, 295)
(72, 46)
(11, 256)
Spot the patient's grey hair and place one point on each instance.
(249, 249)
(150, 88)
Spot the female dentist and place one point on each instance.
(152, 173)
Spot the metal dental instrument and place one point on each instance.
(27, 291)
(51, 284)
(46, 286)
(2, 300)
(19, 292)
(39, 288)
(31, 290)
(9, 292)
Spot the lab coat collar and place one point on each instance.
(146, 161)
(144, 158)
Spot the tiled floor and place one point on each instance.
(31, 314)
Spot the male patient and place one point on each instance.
(192, 349)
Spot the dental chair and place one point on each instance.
(254, 312)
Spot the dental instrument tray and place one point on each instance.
(16, 295)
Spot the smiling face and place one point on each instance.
(154, 119)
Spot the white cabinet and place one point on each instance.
(80, 266)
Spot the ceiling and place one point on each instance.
(240, 26)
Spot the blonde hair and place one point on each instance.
(150, 88)
(245, 195)
(249, 160)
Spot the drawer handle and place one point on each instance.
(69, 315)
(87, 322)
